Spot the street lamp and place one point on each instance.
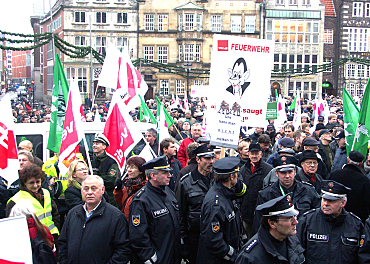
(289, 75)
(187, 66)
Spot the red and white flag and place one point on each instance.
(186, 103)
(121, 131)
(119, 73)
(73, 131)
(178, 102)
(173, 102)
(9, 164)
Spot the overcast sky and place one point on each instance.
(15, 14)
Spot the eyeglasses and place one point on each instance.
(132, 167)
(311, 163)
(82, 169)
(290, 219)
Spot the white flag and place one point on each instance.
(162, 126)
(297, 112)
(147, 153)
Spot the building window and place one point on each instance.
(236, 23)
(101, 44)
(121, 42)
(149, 53)
(360, 71)
(101, 17)
(360, 89)
(199, 22)
(367, 9)
(180, 52)
(198, 82)
(351, 70)
(306, 2)
(358, 39)
(197, 53)
(189, 22)
(279, 2)
(250, 24)
(180, 86)
(149, 22)
(357, 9)
(163, 54)
(328, 36)
(80, 41)
(162, 22)
(292, 2)
(121, 18)
(163, 87)
(82, 80)
(70, 74)
(216, 23)
(188, 52)
(180, 22)
(327, 64)
(79, 17)
(351, 89)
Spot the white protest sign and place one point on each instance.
(199, 91)
(240, 78)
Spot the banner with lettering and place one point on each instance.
(240, 79)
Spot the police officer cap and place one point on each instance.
(309, 141)
(356, 156)
(332, 190)
(287, 142)
(226, 165)
(204, 150)
(308, 154)
(285, 163)
(203, 140)
(101, 138)
(281, 206)
(159, 163)
(254, 147)
(320, 126)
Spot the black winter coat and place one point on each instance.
(154, 228)
(304, 198)
(321, 168)
(328, 239)
(191, 166)
(260, 249)
(221, 227)
(176, 167)
(73, 197)
(364, 251)
(102, 239)
(254, 183)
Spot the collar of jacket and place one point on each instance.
(331, 219)
(248, 164)
(197, 176)
(98, 212)
(101, 156)
(157, 190)
(352, 167)
(229, 193)
(263, 234)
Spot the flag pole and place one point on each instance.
(87, 155)
(354, 138)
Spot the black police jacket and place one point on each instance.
(304, 198)
(154, 228)
(221, 227)
(254, 183)
(260, 249)
(364, 251)
(328, 239)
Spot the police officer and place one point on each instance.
(105, 166)
(154, 228)
(304, 196)
(330, 234)
(275, 241)
(221, 227)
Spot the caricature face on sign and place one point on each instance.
(238, 77)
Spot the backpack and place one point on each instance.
(41, 252)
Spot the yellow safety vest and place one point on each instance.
(43, 213)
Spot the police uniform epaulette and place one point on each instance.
(308, 183)
(217, 202)
(183, 177)
(309, 211)
(140, 192)
(355, 216)
(250, 245)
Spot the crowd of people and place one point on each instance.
(282, 196)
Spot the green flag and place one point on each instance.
(292, 106)
(276, 95)
(169, 120)
(58, 106)
(145, 111)
(350, 118)
(362, 132)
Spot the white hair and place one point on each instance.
(94, 177)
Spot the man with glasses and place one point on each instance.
(303, 195)
(330, 234)
(275, 241)
(28, 146)
(309, 163)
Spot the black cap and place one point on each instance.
(254, 147)
(270, 127)
(320, 126)
(203, 140)
(204, 150)
(320, 118)
(286, 151)
(101, 138)
(309, 141)
(324, 131)
(226, 165)
(285, 163)
(356, 156)
(340, 117)
(340, 135)
(308, 154)
(287, 142)
(333, 190)
(281, 206)
(159, 163)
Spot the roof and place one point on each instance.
(189, 5)
(329, 8)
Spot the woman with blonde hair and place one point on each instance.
(76, 173)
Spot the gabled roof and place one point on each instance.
(329, 8)
(189, 5)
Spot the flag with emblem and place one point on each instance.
(9, 164)
(121, 131)
(73, 131)
(350, 119)
(119, 73)
(172, 102)
(161, 108)
(58, 106)
(361, 140)
(186, 102)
